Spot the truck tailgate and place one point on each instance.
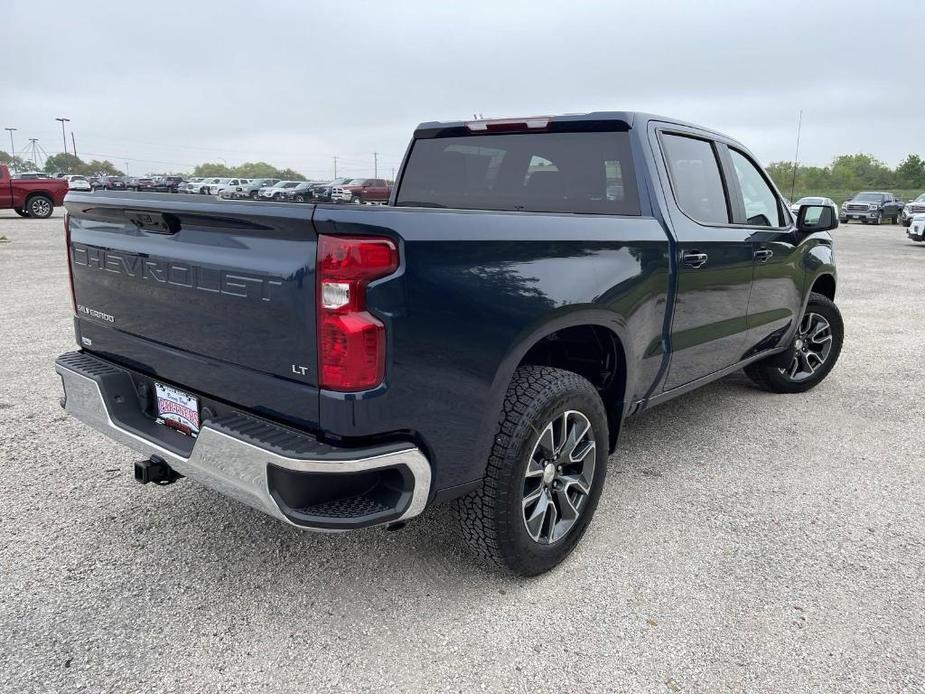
(216, 296)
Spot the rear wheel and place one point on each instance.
(40, 206)
(544, 475)
(20, 211)
(813, 354)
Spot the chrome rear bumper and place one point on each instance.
(242, 469)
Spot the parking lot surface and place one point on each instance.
(744, 541)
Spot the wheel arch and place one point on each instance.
(589, 342)
(824, 284)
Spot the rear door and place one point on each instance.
(714, 257)
(378, 190)
(6, 190)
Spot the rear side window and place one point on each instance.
(589, 172)
(695, 178)
(761, 208)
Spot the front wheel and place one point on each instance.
(812, 355)
(20, 211)
(544, 475)
(878, 219)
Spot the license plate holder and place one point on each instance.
(177, 409)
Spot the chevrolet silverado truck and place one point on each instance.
(31, 197)
(479, 340)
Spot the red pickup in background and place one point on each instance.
(31, 197)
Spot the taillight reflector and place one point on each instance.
(351, 341)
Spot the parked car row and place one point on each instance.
(347, 190)
(156, 184)
(350, 190)
(869, 207)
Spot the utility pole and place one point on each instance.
(12, 146)
(74, 143)
(375, 164)
(796, 157)
(335, 166)
(63, 135)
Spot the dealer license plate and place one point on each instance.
(177, 410)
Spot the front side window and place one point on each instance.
(695, 178)
(761, 207)
(568, 172)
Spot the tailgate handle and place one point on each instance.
(156, 222)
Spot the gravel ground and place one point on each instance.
(744, 541)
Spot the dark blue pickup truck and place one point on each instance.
(480, 339)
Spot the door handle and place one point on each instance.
(763, 255)
(693, 259)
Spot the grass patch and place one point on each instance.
(4, 239)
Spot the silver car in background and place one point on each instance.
(795, 207)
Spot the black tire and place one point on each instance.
(768, 374)
(21, 212)
(493, 517)
(895, 219)
(299, 198)
(878, 219)
(40, 206)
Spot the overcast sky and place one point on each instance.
(164, 86)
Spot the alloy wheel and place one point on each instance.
(40, 207)
(558, 478)
(811, 347)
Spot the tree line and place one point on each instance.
(846, 175)
(849, 174)
(68, 163)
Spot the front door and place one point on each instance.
(777, 287)
(714, 259)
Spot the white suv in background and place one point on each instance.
(217, 187)
(77, 182)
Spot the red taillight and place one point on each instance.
(351, 342)
(70, 269)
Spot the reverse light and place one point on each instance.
(351, 341)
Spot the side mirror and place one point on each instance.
(813, 218)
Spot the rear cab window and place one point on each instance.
(567, 172)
